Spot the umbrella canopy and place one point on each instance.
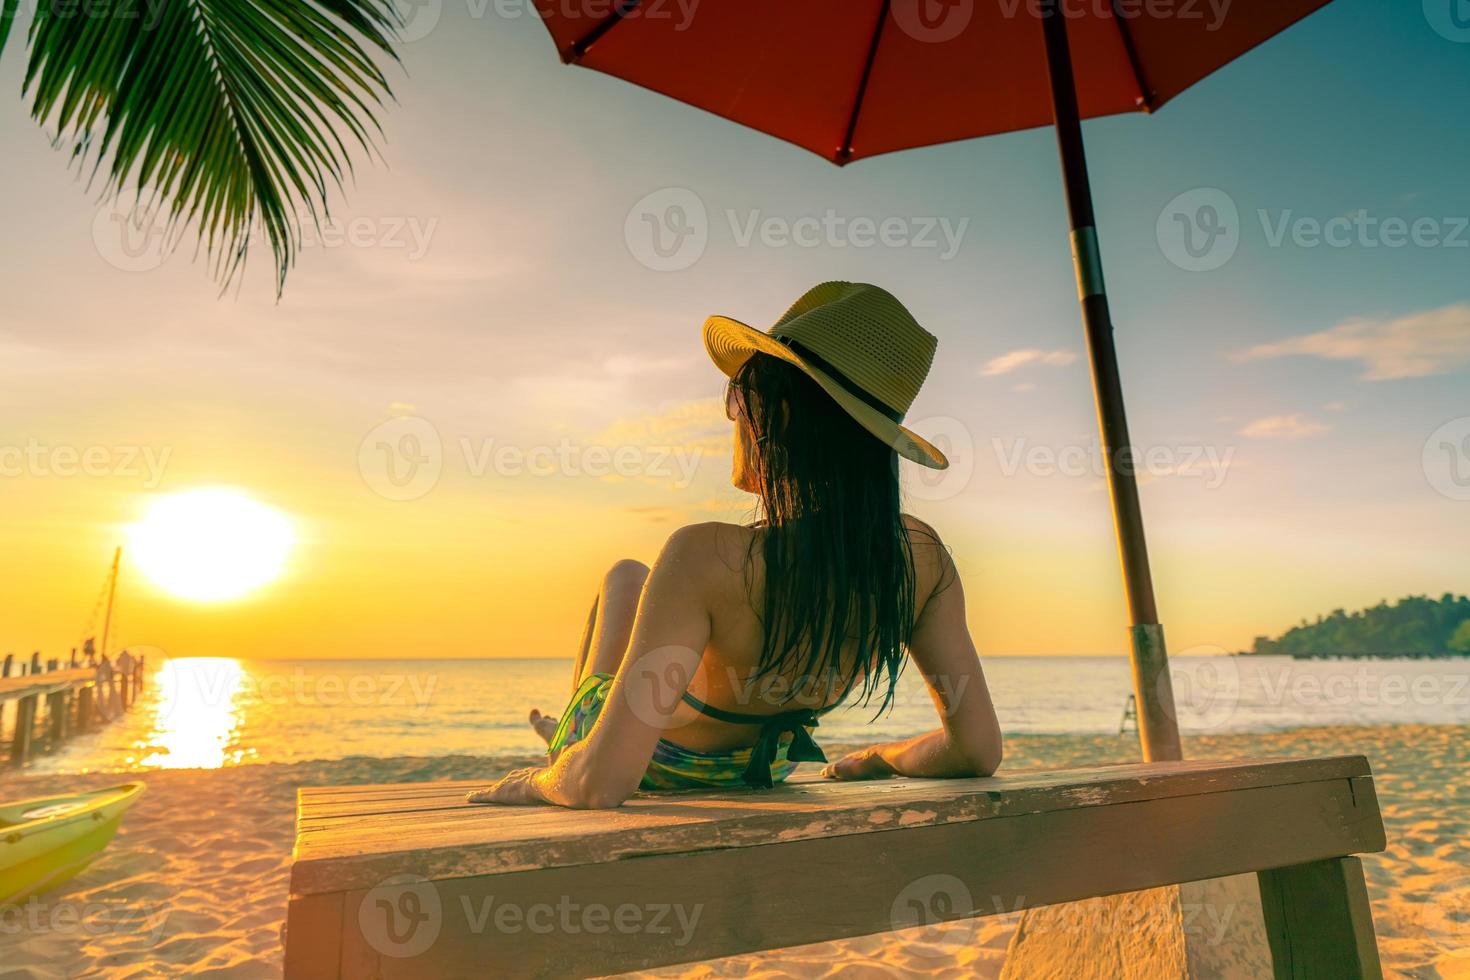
(853, 78)
(849, 79)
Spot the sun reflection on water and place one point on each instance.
(198, 714)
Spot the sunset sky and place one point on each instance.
(490, 300)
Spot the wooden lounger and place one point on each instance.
(409, 881)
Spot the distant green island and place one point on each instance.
(1415, 626)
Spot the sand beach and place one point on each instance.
(196, 881)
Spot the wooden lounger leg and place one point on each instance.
(1318, 921)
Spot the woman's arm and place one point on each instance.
(968, 743)
(670, 633)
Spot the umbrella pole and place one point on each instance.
(1158, 728)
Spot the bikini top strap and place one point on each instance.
(803, 747)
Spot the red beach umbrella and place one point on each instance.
(849, 79)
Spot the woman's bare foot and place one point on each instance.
(545, 725)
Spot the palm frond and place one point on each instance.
(232, 117)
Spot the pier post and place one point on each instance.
(25, 724)
(56, 716)
(84, 709)
(5, 672)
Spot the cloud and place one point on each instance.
(1284, 427)
(1413, 346)
(699, 424)
(629, 366)
(1006, 363)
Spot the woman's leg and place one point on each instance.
(609, 627)
(584, 647)
(612, 617)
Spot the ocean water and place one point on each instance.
(214, 712)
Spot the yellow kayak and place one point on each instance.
(46, 841)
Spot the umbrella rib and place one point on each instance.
(579, 48)
(844, 152)
(1145, 94)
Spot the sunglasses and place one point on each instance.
(734, 403)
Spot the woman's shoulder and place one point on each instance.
(933, 563)
(923, 538)
(713, 543)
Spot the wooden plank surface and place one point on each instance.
(353, 837)
(734, 899)
(45, 683)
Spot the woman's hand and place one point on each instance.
(863, 764)
(515, 788)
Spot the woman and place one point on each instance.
(711, 668)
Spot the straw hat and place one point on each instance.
(858, 343)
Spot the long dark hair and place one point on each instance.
(838, 564)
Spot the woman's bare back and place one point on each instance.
(726, 679)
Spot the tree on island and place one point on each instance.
(1416, 625)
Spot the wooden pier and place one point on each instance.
(59, 701)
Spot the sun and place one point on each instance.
(211, 545)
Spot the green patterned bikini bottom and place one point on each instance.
(769, 761)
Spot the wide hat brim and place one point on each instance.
(730, 344)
